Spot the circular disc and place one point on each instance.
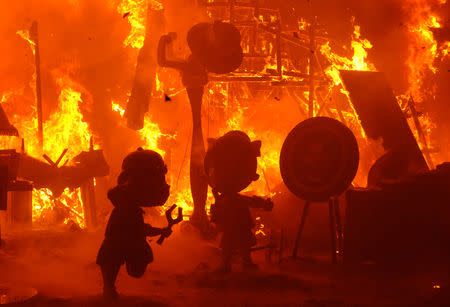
(319, 159)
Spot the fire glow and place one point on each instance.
(67, 128)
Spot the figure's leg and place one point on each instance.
(138, 259)
(109, 273)
(227, 257)
(136, 269)
(247, 261)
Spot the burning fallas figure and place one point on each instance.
(141, 183)
(231, 164)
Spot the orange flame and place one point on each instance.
(136, 13)
(423, 48)
(357, 62)
(25, 34)
(64, 129)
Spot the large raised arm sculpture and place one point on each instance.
(215, 48)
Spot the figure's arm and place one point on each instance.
(164, 42)
(151, 231)
(261, 203)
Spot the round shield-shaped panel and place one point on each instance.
(319, 159)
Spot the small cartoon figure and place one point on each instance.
(141, 183)
(231, 164)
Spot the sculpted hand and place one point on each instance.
(166, 232)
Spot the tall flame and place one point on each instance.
(64, 129)
(423, 48)
(358, 60)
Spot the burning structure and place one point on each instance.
(291, 64)
(93, 80)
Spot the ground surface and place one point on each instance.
(60, 265)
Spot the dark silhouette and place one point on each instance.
(231, 164)
(215, 48)
(142, 183)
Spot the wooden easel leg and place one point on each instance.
(300, 229)
(332, 230)
(280, 251)
(337, 213)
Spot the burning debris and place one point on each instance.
(290, 60)
(83, 88)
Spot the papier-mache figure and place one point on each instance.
(231, 165)
(141, 183)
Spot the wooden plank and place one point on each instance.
(381, 116)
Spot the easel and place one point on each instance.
(335, 228)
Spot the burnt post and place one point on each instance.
(278, 39)
(35, 38)
(312, 59)
(88, 197)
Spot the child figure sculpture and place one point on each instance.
(141, 184)
(231, 164)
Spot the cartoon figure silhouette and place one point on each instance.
(141, 184)
(231, 164)
(216, 48)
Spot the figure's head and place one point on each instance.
(144, 172)
(216, 45)
(231, 162)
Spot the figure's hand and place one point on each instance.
(268, 206)
(168, 38)
(165, 42)
(166, 232)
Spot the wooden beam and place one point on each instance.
(35, 38)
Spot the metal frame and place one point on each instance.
(309, 81)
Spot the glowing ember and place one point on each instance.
(259, 227)
(117, 108)
(445, 50)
